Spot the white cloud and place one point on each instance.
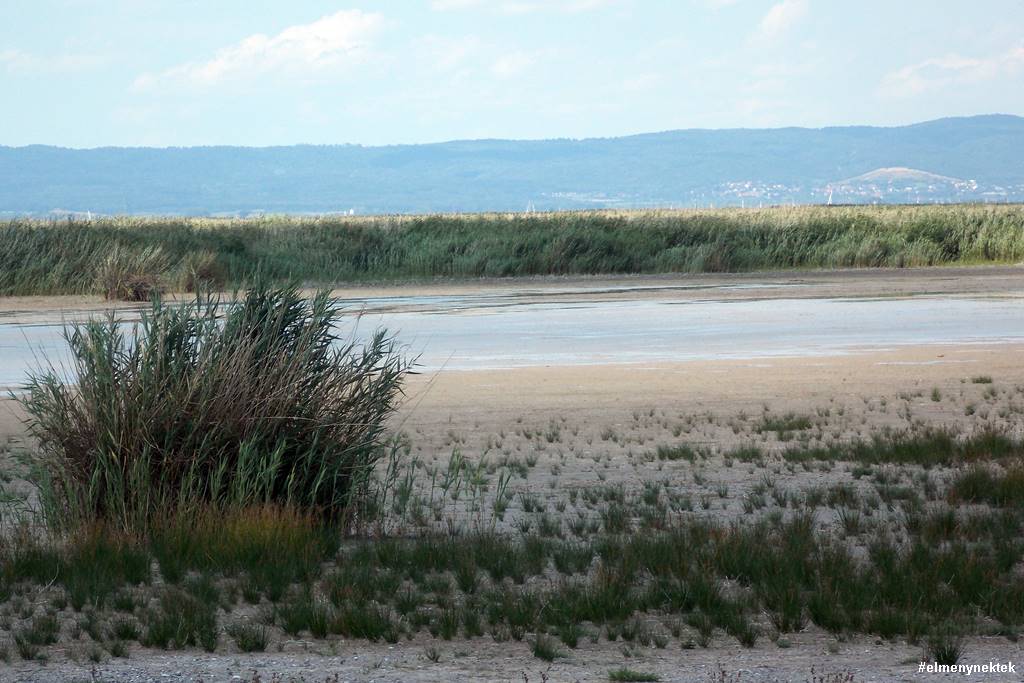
(333, 41)
(952, 70)
(781, 17)
(16, 61)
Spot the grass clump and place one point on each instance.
(680, 452)
(626, 675)
(28, 641)
(544, 647)
(780, 424)
(271, 547)
(255, 401)
(92, 567)
(982, 484)
(944, 646)
(132, 275)
(181, 621)
(930, 447)
(248, 637)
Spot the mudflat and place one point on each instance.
(569, 430)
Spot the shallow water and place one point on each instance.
(490, 331)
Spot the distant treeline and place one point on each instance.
(114, 255)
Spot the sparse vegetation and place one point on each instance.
(693, 541)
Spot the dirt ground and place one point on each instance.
(809, 659)
(600, 424)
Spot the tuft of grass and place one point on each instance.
(625, 675)
(945, 646)
(678, 452)
(252, 401)
(248, 637)
(124, 629)
(544, 647)
(780, 424)
(271, 546)
(91, 566)
(132, 274)
(28, 641)
(979, 483)
(181, 621)
(926, 447)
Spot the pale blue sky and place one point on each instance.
(188, 72)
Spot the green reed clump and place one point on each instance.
(70, 257)
(269, 547)
(91, 568)
(181, 620)
(1001, 488)
(927, 447)
(132, 275)
(251, 402)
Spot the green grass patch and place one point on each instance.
(790, 422)
(679, 452)
(986, 484)
(926, 447)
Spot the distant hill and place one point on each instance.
(900, 175)
(904, 184)
(957, 159)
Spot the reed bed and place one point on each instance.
(253, 401)
(119, 256)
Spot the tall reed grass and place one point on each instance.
(250, 402)
(70, 257)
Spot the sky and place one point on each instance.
(79, 73)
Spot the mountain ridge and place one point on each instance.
(684, 167)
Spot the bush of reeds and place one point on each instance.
(132, 275)
(254, 401)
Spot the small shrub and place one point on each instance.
(124, 629)
(945, 646)
(543, 647)
(985, 484)
(199, 271)
(181, 621)
(28, 641)
(679, 452)
(248, 637)
(128, 275)
(625, 675)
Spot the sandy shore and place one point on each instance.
(972, 281)
(592, 425)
